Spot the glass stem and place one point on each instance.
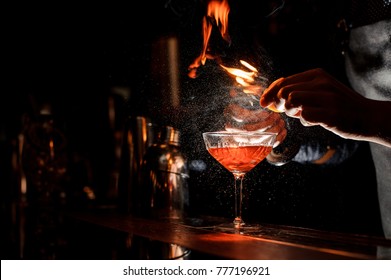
(238, 199)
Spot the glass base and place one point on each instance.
(240, 229)
(238, 223)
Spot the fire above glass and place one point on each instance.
(239, 152)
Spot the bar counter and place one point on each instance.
(271, 242)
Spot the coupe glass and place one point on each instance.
(239, 152)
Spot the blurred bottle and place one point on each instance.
(43, 186)
(133, 148)
(117, 123)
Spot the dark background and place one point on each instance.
(71, 56)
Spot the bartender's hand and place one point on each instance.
(317, 98)
(240, 118)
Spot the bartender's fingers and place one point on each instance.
(310, 98)
(271, 93)
(269, 96)
(329, 119)
(285, 94)
(306, 115)
(294, 97)
(277, 102)
(304, 80)
(285, 91)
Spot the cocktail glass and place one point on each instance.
(239, 152)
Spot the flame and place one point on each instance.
(248, 80)
(217, 12)
(243, 77)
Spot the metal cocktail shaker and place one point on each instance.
(153, 179)
(164, 174)
(164, 188)
(153, 183)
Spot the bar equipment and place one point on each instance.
(153, 183)
(153, 174)
(164, 175)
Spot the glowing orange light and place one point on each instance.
(217, 12)
(246, 79)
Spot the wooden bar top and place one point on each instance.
(271, 242)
